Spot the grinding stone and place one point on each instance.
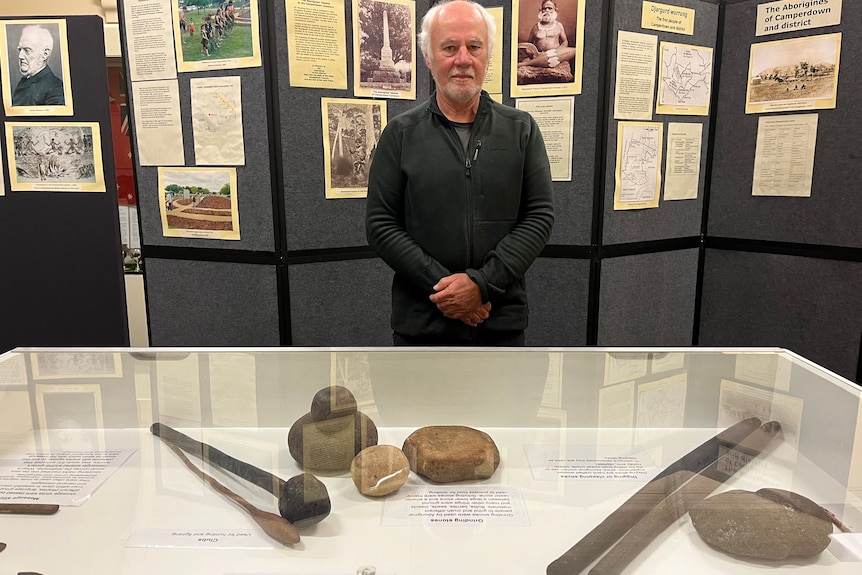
(449, 453)
(379, 470)
(769, 524)
(332, 444)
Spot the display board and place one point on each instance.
(60, 250)
(690, 150)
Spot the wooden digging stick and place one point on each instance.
(273, 525)
(697, 488)
(263, 479)
(605, 534)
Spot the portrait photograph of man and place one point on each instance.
(36, 71)
(547, 47)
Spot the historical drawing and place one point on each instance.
(67, 365)
(55, 157)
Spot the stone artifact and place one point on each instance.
(2, 546)
(379, 470)
(273, 525)
(329, 436)
(654, 507)
(314, 505)
(304, 500)
(449, 453)
(769, 524)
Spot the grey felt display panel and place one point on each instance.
(254, 179)
(341, 303)
(573, 201)
(832, 214)
(648, 299)
(60, 252)
(672, 219)
(810, 306)
(201, 303)
(313, 222)
(558, 292)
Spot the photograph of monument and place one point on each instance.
(384, 49)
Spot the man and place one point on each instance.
(38, 85)
(460, 201)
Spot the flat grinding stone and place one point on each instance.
(770, 524)
(449, 453)
(379, 470)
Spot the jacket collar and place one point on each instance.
(484, 105)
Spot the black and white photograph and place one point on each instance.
(547, 47)
(351, 128)
(794, 74)
(36, 69)
(384, 49)
(55, 157)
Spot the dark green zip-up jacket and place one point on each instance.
(434, 210)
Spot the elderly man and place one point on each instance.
(460, 201)
(38, 85)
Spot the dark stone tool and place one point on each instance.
(691, 491)
(609, 531)
(273, 525)
(303, 500)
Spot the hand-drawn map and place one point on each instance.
(686, 80)
(638, 175)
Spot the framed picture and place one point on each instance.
(547, 47)
(35, 72)
(55, 157)
(75, 365)
(384, 49)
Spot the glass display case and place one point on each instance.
(611, 449)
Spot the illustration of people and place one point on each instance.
(547, 47)
(54, 147)
(38, 85)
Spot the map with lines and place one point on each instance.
(686, 75)
(640, 148)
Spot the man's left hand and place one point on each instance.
(456, 295)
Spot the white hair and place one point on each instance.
(431, 17)
(40, 34)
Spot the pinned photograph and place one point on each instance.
(351, 129)
(384, 49)
(547, 47)
(795, 74)
(199, 203)
(216, 36)
(55, 157)
(36, 70)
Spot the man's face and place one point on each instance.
(32, 55)
(547, 13)
(459, 53)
